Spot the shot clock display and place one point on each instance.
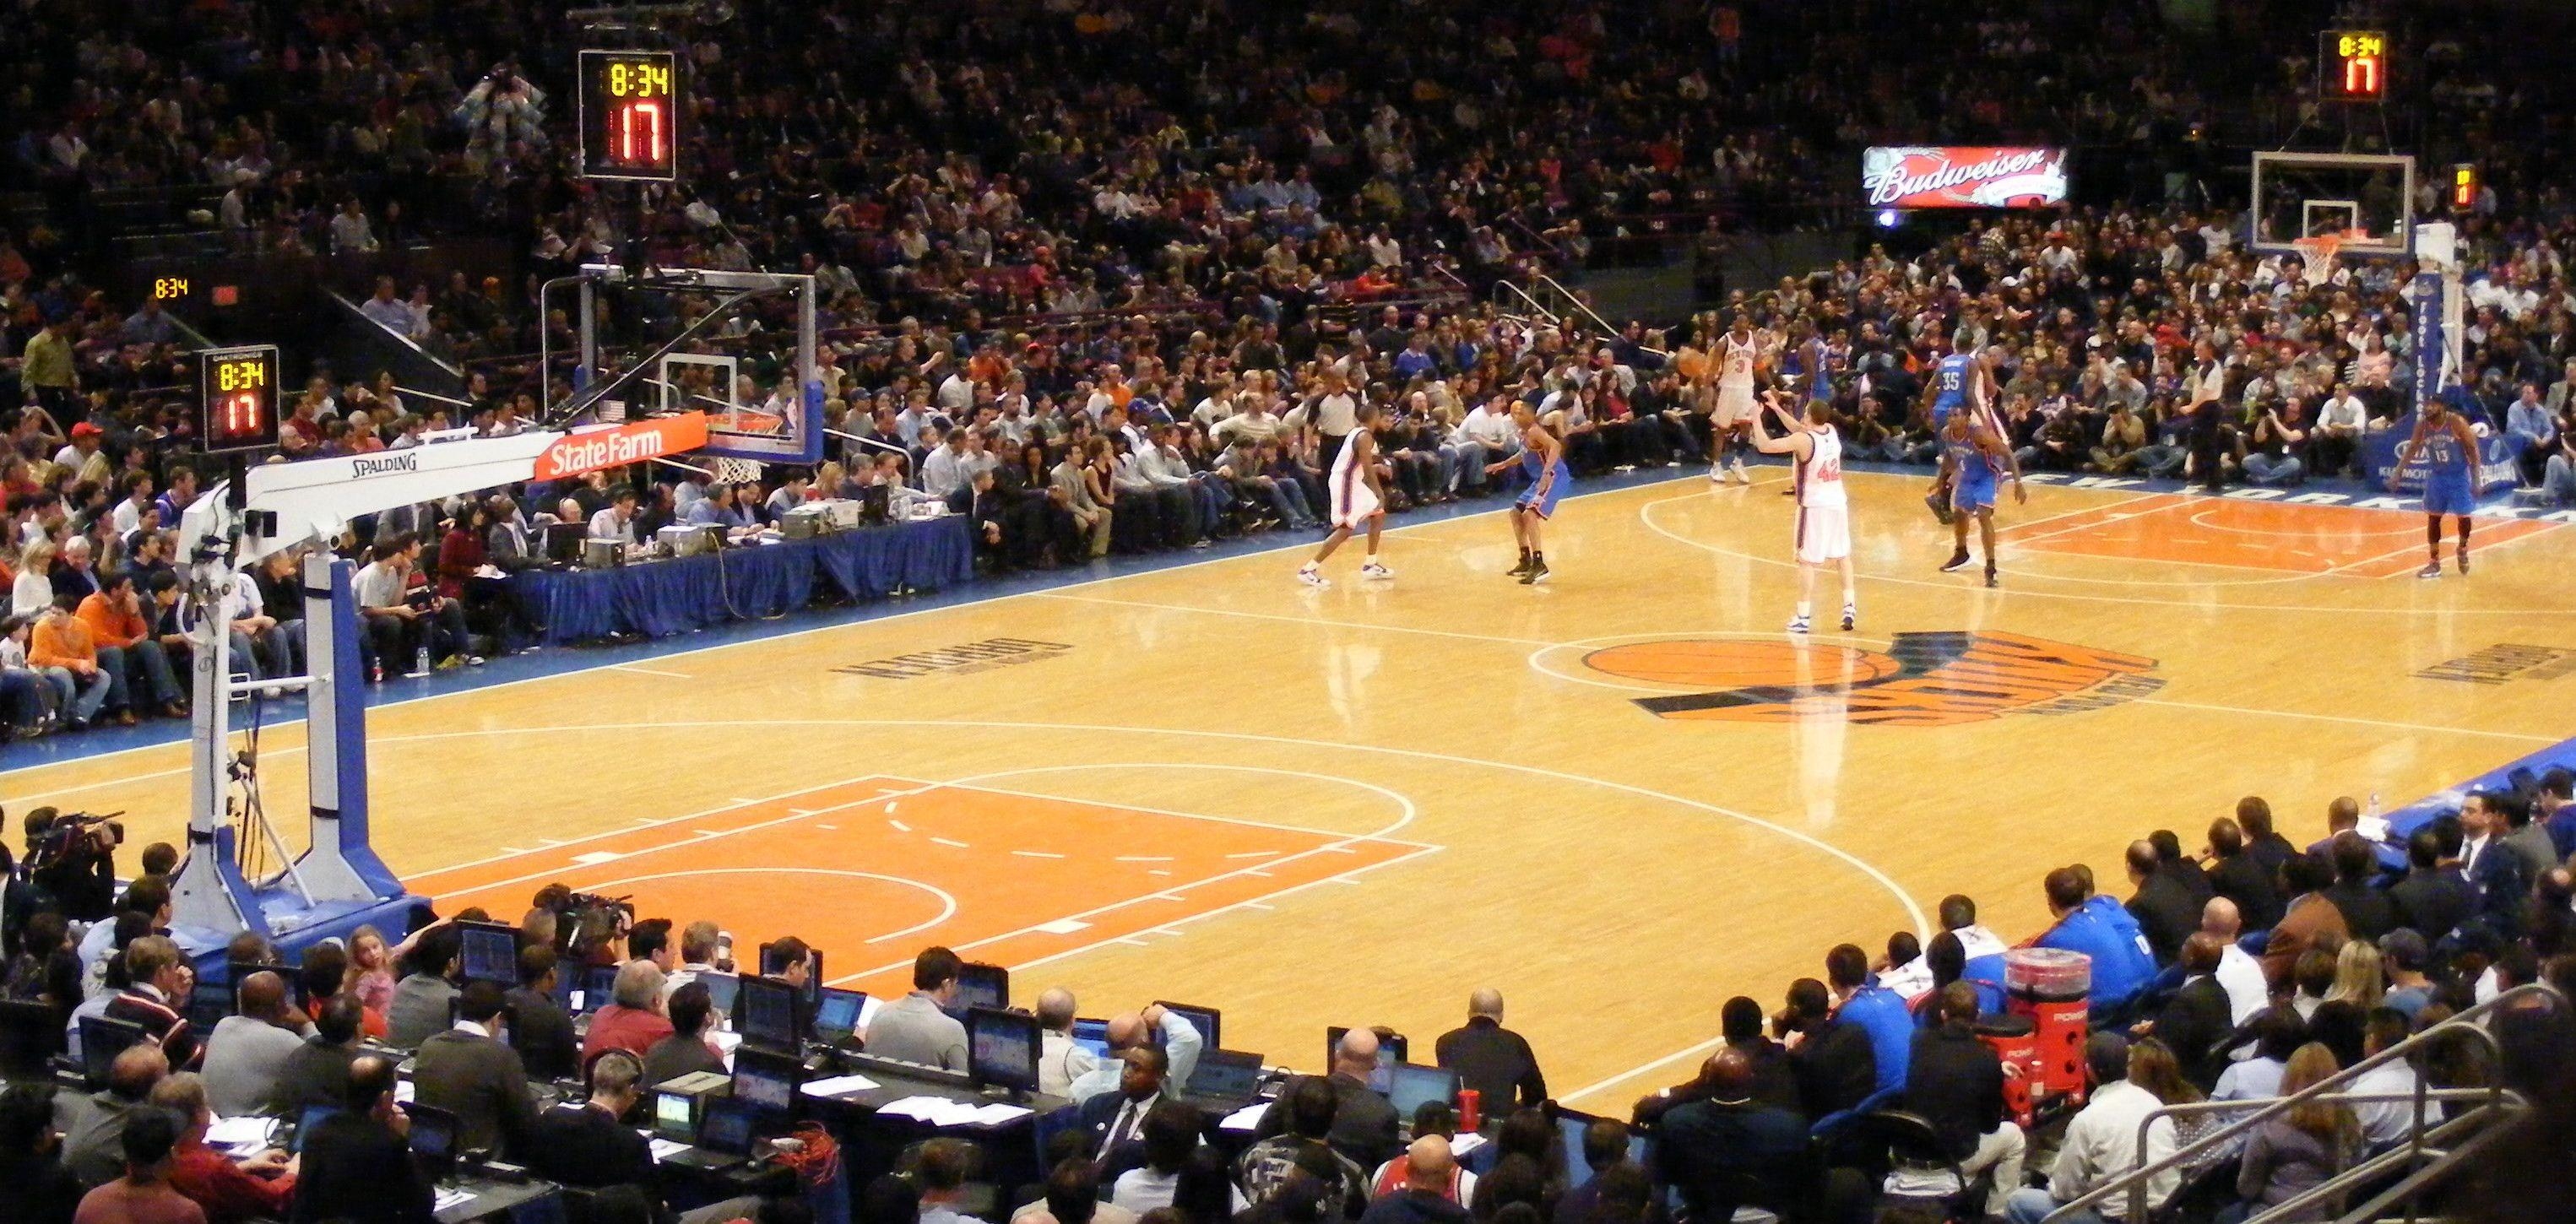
(237, 399)
(2352, 65)
(630, 115)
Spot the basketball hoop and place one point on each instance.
(2317, 255)
(737, 471)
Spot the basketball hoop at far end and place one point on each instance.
(2317, 255)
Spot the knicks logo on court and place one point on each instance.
(1921, 680)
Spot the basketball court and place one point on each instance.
(1620, 797)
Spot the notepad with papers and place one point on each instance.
(664, 1149)
(1244, 1119)
(447, 1198)
(838, 1085)
(940, 1111)
(249, 1134)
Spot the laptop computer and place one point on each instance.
(836, 1015)
(313, 1116)
(433, 1139)
(724, 1136)
(1092, 1035)
(1224, 1079)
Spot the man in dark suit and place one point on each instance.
(2170, 860)
(1833, 1060)
(587, 1145)
(2367, 911)
(540, 1029)
(356, 1165)
(317, 1072)
(1730, 1150)
(1956, 1083)
(2166, 911)
(2198, 1017)
(471, 1071)
(1494, 1062)
(1364, 1124)
(1775, 1075)
(2269, 848)
(2492, 868)
(1113, 1123)
(2433, 897)
(2236, 874)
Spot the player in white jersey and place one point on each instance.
(1354, 500)
(1815, 453)
(1737, 351)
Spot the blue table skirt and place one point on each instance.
(662, 598)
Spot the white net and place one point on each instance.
(2318, 254)
(736, 471)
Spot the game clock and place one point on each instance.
(237, 399)
(2352, 65)
(630, 115)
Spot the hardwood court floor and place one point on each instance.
(1620, 797)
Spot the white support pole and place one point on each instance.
(201, 897)
(326, 872)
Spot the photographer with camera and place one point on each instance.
(71, 859)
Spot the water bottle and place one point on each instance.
(420, 660)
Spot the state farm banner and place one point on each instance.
(1962, 176)
(610, 446)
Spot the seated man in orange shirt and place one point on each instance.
(61, 645)
(131, 655)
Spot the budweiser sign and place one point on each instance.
(619, 445)
(1953, 176)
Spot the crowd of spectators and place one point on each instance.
(2146, 343)
(2245, 970)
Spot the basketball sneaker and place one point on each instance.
(1717, 472)
(1536, 574)
(2464, 561)
(1939, 501)
(1313, 576)
(1520, 569)
(1991, 579)
(2432, 569)
(1958, 561)
(1742, 476)
(1798, 624)
(1376, 572)
(1851, 617)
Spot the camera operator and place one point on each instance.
(72, 859)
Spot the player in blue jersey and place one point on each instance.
(1542, 463)
(1960, 384)
(2450, 453)
(1972, 457)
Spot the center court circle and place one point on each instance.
(1707, 664)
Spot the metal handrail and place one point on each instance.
(2134, 1183)
(1586, 308)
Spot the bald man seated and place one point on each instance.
(247, 1052)
(1492, 1061)
(1060, 1060)
(1180, 1041)
(1364, 1124)
(1711, 1145)
(1425, 1197)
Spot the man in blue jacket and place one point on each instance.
(2101, 929)
(1874, 1009)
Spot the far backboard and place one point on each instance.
(2361, 197)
